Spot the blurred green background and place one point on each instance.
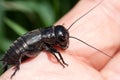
(19, 16)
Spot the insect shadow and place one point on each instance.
(38, 40)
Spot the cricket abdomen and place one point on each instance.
(13, 54)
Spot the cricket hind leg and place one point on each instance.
(17, 66)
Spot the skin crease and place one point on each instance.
(100, 28)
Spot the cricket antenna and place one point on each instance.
(82, 40)
(90, 46)
(85, 14)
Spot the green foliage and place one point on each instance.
(14, 26)
(19, 16)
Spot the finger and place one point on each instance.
(112, 70)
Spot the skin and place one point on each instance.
(100, 28)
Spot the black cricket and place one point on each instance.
(38, 40)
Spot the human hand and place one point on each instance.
(100, 28)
